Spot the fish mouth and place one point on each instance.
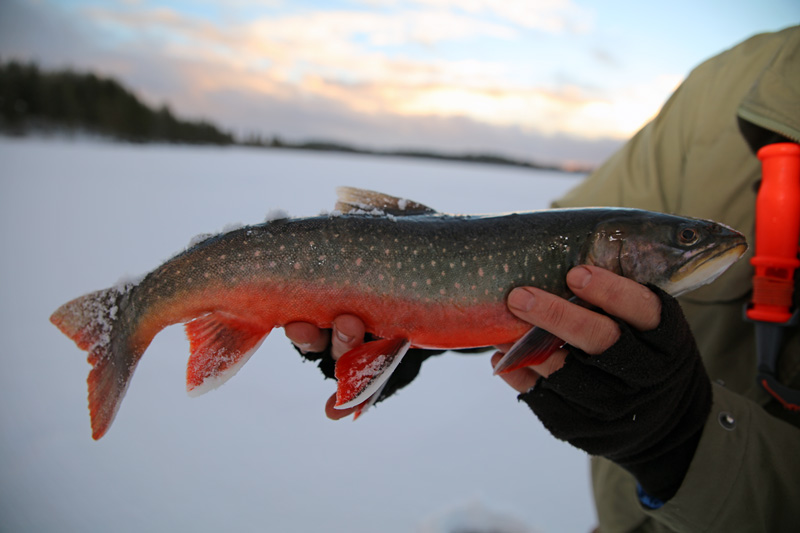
(705, 267)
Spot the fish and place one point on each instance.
(416, 277)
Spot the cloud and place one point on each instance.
(554, 16)
(343, 56)
(343, 75)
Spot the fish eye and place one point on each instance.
(688, 236)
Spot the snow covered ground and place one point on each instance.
(453, 451)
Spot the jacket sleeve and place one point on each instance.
(692, 159)
(746, 471)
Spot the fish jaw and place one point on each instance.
(704, 270)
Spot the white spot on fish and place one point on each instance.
(297, 266)
(480, 272)
(441, 291)
(359, 261)
(505, 268)
(399, 264)
(428, 281)
(457, 285)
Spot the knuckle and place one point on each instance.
(555, 310)
(602, 335)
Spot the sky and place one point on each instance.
(550, 80)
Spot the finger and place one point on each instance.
(551, 364)
(337, 414)
(348, 332)
(504, 348)
(621, 297)
(307, 337)
(520, 380)
(582, 328)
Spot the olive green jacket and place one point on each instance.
(696, 158)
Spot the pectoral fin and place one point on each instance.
(533, 348)
(363, 371)
(220, 344)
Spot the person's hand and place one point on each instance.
(346, 334)
(629, 385)
(576, 325)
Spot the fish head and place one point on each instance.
(677, 254)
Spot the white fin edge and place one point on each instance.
(213, 382)
(378, 383)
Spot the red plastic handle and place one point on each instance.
(777, 233)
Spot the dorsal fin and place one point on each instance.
(352, 199)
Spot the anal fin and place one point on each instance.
(363, 371)
(220, 344)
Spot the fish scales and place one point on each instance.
(411, 263)
(414, 277)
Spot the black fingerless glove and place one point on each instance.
(642, 403)
(404, 374)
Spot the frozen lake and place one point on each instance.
(452, 450)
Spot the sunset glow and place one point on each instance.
(571, 68)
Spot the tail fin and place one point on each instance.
(92, 322)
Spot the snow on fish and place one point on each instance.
(416, 277)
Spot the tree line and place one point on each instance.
(36, 100)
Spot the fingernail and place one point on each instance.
(342, 337)
(304, 347)
(579, 277)
(521, 300)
